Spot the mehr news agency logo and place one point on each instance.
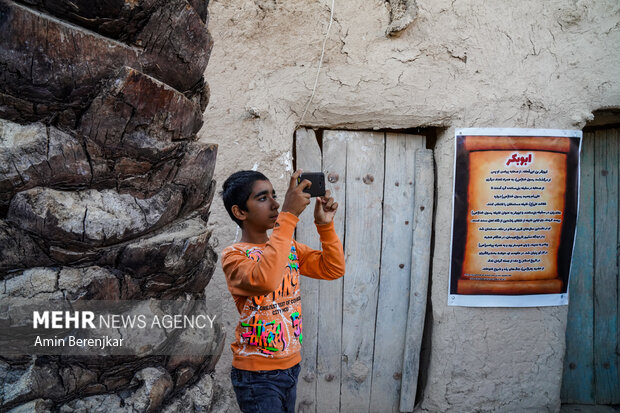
(63, 320)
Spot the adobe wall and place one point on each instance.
(457, 64)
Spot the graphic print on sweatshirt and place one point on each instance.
(271, 324)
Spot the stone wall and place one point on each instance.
(407, 64)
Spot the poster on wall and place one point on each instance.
(515, 202)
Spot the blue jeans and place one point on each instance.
(268, 391)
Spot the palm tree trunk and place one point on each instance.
(104, 189)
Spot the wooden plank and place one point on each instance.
(606, 269)
(364, 193)
(420, 264)
(578, 377)
(309, 159)
(615, 135)
(329, 355)
(395, 270)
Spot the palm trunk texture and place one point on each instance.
(104, 190)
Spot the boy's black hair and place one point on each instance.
(237, 189)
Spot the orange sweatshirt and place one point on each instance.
(264, 282)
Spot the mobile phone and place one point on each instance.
(318, 183)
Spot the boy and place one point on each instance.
(262, 274)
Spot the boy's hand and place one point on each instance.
(325, 209)
(295, 200)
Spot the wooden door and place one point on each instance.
(358, 338)
(591, 364)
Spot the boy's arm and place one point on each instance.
(247, 277)
(327, 264)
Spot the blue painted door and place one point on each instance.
(591, 364)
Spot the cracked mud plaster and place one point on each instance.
(402, 14)
(479, 64)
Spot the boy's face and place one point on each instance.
(262, 207)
